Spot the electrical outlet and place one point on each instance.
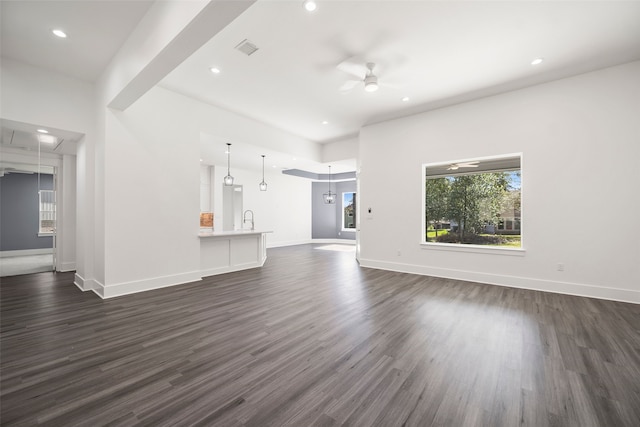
(399, 252)
(560, 267)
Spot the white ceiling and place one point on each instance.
(95, 29)
(435, 52)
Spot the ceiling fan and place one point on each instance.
(455, 166)
(363, 73)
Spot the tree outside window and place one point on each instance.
(474, 202)
(348, 211)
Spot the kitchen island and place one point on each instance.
(227, 251)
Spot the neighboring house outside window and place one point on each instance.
(473, 202)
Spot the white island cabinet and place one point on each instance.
(226, 251)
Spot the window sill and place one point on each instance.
(478, 249)
(45, 234)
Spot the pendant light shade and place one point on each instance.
(329, 197)
(228, 180)
(263, 185)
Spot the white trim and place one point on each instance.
(126, 288)
(26, 252)
(478, 249)
(82, 283)
(309, 241)
(232, 268)
(67, 266)
(342, 212)
(578, 289)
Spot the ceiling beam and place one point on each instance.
(166, 36)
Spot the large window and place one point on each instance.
(348, 211)
(473, 202)
(47, 222)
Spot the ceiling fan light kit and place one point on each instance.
(370, 80)
(371, 83)
(356, 68)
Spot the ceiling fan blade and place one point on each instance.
(468, 165)
(353, 66)
(349, 85)
(455, 166)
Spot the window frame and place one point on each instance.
(41, 211)
(473, 248)
(353, 201)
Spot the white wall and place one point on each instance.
(66, 199)
(285, 208)
(340, 150)
(46, 98)
(151, 195)
(580, 139)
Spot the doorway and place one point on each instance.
(27, 218)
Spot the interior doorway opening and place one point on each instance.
(28, 215)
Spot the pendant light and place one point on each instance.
(263, 185)
(329, 197)
(228, 180)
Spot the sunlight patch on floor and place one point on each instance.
(338, 248)
(12, 266)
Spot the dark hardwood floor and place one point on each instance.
(312, 339)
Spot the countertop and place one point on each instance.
(232, 233)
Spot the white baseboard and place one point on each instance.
(230, 269)
(307, 241)
(82, 283)
(126, 288)
(578, 289)
(66, 266)
(26, 252)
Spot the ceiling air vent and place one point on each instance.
(246, 47)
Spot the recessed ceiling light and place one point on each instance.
(324, 122)
(274, 166)
(59, 33)
(405, 99)
(214, 70)
(537, 61)
(310, 5)
(43, 131)
(47, 139)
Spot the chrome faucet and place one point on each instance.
(244, 218)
